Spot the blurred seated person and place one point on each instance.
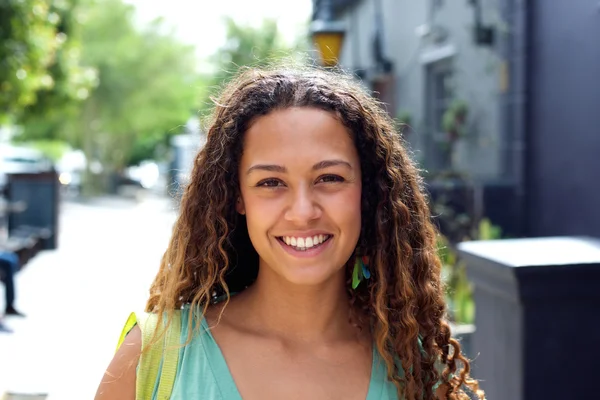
(9, 261)
(9, 265)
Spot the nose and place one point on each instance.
(303, 207)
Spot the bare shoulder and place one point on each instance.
(118, 382)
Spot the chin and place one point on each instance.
(304, 276)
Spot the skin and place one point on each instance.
(288, 335)
(299, 175)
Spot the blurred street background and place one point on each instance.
(101, 115)
(78, 296)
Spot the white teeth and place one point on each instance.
(305, 243)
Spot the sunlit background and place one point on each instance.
(101, 115)
(201, 23)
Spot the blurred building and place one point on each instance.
(184, 149)
(526, 73)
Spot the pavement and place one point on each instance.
(78, 297)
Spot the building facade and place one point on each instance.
(419, 56)
(524, 71)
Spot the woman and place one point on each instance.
(303, 264)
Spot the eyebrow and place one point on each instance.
(331, 163)
(266, 167)
(281, 169)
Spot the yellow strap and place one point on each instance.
(171, 358)
(131, 321)
(150, 360)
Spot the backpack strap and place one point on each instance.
(170, 358)
(157, 361)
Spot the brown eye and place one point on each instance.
(270, 183)
(331, 179)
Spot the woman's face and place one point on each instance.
(300, 182)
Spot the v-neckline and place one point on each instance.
(228, 388)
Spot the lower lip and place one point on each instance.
(312, 252)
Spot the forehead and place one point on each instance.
(297, 134)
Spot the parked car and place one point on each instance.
(18, 159)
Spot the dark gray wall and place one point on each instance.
(532, 296)
(563, 157)
(41, 194)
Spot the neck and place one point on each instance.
(302, 312)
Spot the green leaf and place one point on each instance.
(356, 274)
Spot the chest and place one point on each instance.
(248, 370)
(265, 371)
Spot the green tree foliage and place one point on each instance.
(96, 80)
(248, 45)
(134, 87)
(72, 82)
(146, 83)
(37, 57)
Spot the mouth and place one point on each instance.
(304, 243)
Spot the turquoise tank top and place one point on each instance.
(202, 372)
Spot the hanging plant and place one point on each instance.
(454, 120)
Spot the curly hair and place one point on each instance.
(210, 253)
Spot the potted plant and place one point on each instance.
(454, 122)
(459, 297)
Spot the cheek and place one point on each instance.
(260, 213)
(346, 209)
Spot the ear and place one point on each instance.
(240, 207)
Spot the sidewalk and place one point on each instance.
(77, 297)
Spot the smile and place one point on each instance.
(304, 243)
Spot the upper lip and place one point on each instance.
(305, 234)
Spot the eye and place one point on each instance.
(270, 183)
(330, 179)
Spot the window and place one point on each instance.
(438, 96)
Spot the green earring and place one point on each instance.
(360, 271)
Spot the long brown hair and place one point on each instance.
(210, 253)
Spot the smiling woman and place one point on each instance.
(300, 179)
(303, 264)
